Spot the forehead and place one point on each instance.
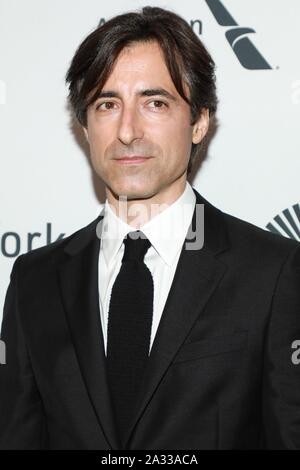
(140, 60)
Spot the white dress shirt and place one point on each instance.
(166, 232)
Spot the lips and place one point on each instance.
(132, 160)
(129, 157)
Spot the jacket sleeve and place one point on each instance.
(281, 373)
(22, 421)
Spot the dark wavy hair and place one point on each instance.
(185, 55)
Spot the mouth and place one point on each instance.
(134, 160)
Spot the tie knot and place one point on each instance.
(136, 245)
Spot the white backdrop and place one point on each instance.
(46, 183)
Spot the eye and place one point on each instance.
(110, 103)
(160, 103)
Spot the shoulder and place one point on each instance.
(245, 240)
(52, 254)
(257, 243)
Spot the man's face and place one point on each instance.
(136, 118)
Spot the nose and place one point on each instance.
(130, 125)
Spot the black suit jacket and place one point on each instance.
(220, 374)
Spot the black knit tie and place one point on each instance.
(129, 327)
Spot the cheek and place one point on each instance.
(98, 142)
(176, 141)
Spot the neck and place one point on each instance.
(138, 211)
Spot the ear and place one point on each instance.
(86, 133)
(200, 127)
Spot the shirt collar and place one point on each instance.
(166, 231)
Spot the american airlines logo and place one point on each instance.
(287, 223)
(237, 36)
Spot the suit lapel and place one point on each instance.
(196, 278)
(79, 287)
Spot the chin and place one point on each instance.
(133, 191)
(135, 195)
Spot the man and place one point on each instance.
(219, 319)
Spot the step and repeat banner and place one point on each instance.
(251, 170)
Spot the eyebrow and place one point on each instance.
(147, 92)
